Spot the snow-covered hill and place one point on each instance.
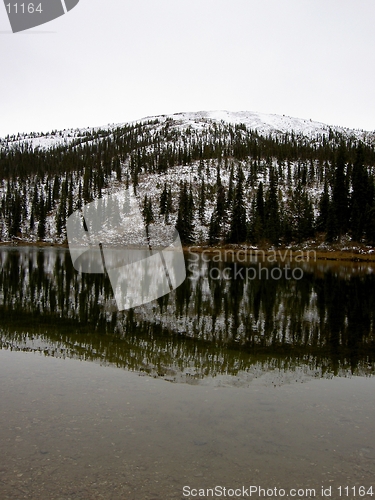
(204, 150)
(263, 124)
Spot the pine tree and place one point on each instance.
(61, 216)
(56, 189)
(202, 202)
(135, 180)
(332, 230)
(370, 212)
(185, 215)
(15, 216)
(35, 201)
(359, 196)
(340, 194)
(256, 228)
(218, 217)
(168, 206)
(24, 197)
(116, 166)
(238, 225)
(370, 226)
(260, 203)
(147, 211)
(302, 220)
(79, 201)
(70, 197)
(32, 220)
(323, 209)
(49, 198)
(87, 194)
(42, 220)
(272, 215)
(230, 195)
(218, 176)
(200, 168)
(163, 200)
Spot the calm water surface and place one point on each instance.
(222, 383)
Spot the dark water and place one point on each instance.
(272, 381)
(209, 326)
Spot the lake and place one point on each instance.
(254, 384)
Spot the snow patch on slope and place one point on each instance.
(264, 124)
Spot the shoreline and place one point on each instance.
(283, 253)
(40, 244)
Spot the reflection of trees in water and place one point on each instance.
(208, 326)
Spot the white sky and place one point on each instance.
(111, 61)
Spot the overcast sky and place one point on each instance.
(111, 61)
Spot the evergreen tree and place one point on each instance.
(272, 215)
(168, 206)
(163, 200)
(87, 195)
(24, 204)
(340, 194)
(302, 221)
(323, 209)
(147, 211)
(116, 166)
(42, 220)
(238, 226)
(79, 201)
(370, 212)
(15, 216)
(332, 230)
(260, 203)
(202, 202)
(230, 195)
(218, 217)
(370, 226)
(32, 220)
(184, 224)
(218, 176)
(135, 180)
(256, 228)
(35, 201)
(359, 196)
(70, 197)
(61, 216)
(49, 198)
(56, 189)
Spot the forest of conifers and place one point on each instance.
(219, 183)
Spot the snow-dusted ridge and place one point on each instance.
(263, 124)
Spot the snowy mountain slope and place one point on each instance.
(203, 150)
(263, 124)
(54, 139)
